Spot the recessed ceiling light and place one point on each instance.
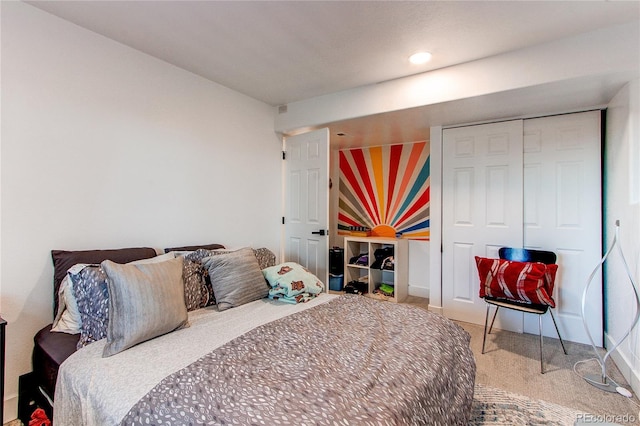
(420, 58)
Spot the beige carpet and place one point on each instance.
(511, 363)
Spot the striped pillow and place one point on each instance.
(236, 278)
(529, 282)
(145, 301)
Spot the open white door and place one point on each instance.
(306, 219)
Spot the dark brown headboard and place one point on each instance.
(63, 260)
(194, 248)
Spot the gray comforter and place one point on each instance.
(352, 360)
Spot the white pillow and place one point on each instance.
(159, 258)
(68, 318)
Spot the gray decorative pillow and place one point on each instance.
(89, 284)
(265, 257)
(236, 278)
(145, 301)
(198, 291)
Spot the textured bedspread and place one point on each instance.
(92, 390)
(352, 360)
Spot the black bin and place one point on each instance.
(336, 261)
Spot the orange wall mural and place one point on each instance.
(385, 189)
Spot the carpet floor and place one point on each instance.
(511, 366)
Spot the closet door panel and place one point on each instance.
(462, 255)
(498, 196)
(482, 211)
(563, 214)
(532, 176)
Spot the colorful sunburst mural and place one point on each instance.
(386, 189)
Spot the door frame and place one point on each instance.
(435, 244)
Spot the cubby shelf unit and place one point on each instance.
(398, 277)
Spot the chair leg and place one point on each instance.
(541, 344)
(494, 318)
(484, 336)
(486, 321)
(557, 331)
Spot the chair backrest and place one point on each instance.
(527, 255)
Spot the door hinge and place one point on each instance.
(283, 220)
(284, 155)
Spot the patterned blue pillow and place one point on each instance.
(92, 295)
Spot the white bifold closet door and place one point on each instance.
(563, 213)
(525, 183)
(481, 211)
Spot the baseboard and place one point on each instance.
(419, 291)
(625, 366)
(436, 309)
(10, 408)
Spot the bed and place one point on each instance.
(52, 348)
(332, 360)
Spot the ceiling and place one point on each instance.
(285, 51)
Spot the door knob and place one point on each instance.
(320, 232)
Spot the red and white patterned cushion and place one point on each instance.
(530, 282)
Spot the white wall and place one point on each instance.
(419, 268)
(335, 240)
(105, 147)
(622, 202)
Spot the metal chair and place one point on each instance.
(523, 255)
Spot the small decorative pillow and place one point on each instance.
(198, 292)
(236, 278)
(145, 301)
(89, 284)
(292, 282)
(265, 257)
(530, 282)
